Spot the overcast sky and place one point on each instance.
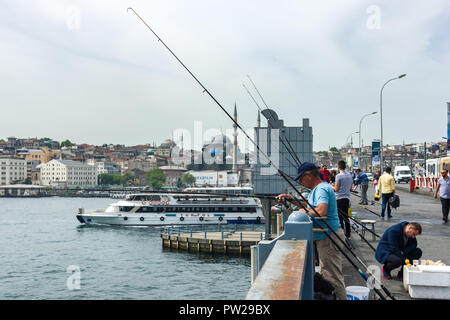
(90, 72)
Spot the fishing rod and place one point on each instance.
(361, 273)
(355, 228)
(290, 151)
(357, 222)
(270, 126)
(271, 116)
(341, 212)
(262, 153)
(356, 257)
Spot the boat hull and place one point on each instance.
(147, 220)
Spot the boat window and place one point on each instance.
(155, 198)
(251, 209)
(125, 209)
(234, 209)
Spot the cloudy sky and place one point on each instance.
(90, 72)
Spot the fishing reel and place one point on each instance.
(279, 207)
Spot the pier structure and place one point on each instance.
(225, 241)
(22, 190)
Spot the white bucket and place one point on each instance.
(357, 293)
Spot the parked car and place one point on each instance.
(370, 176)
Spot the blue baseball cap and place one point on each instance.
(305, 166)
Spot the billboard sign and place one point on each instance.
(375, 153)
(448, 129)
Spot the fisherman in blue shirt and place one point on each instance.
(363, 181)
(323, 199)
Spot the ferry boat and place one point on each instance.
(162, 209)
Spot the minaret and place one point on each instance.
(234, 169)
(182, 150)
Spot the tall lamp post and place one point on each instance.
(446, 147)
(381, 118)
(359, 144)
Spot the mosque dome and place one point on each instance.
(167, 144)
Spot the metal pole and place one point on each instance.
(381, 119)
(425, 159)
(359, 144)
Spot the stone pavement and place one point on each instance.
(414, 207)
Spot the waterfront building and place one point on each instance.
(12, 171)
(172, 173)
(104, 167)
(67, 173)
(215, 178)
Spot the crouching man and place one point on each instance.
(397, 244)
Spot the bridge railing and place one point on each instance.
(283, 268)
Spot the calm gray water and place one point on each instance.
(41, 238)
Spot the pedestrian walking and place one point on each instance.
(397, 244)
(363, 181)
(386, 186)
(342, 187)
(376, 177)
(443, 187)
(323, 199)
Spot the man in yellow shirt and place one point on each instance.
(386, 185)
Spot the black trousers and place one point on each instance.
(343, 206)
(445, 208)
(393, 261)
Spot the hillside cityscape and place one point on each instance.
(45, 162)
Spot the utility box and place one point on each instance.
(427, 282)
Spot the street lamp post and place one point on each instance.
(381, 118)
(359, 144)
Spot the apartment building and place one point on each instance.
(68, 173)
(12, 171)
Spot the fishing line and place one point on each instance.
(268, 125)
(271, 116)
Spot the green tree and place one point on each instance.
(155, 178)
(105, 179)
(334, 150)
(67, 143)
(180, 183)
(117, 178)
(127, 178)
(188, 179)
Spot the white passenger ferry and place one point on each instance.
(176, 209)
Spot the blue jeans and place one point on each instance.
(385, 197)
